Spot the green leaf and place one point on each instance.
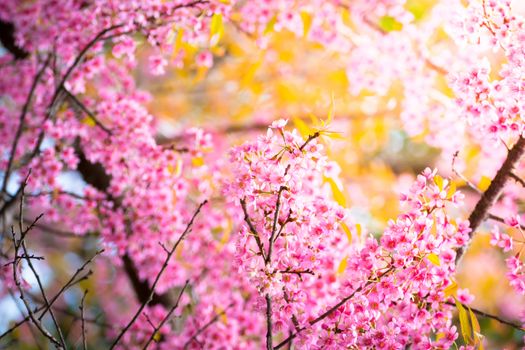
(389, 24)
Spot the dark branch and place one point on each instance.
(490, 196)
(252, 229)
(7, 37)
(487, 315)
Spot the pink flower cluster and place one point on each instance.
(493, 105)
(293, 243)
(395, 289)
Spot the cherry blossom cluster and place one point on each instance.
(490, 94)
(395, 289)
(291, 243)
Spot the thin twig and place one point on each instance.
(208, 324)
(90, 114)
(83, 320)
(167, 317)
(310, 139)
(487, 315)
(502, 220)
(23, 297)
(252, 229)
(461, 176)
(330, 310)
(72, 281)
(157, 278)
(30, 263)
(269, 326)
(22, 118)
(518, 179)
(275, 221)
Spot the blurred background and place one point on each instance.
(253, 82)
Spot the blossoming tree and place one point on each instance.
(222, 236)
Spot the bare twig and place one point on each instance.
(275, 221)
(157, 278)
(22, 118)
(206, 326)
(331, 310)
(517, 179)
(252, 229)
(23, 297)
(487, 315)
(83, 320)
(167, 317)
(72, 281)
(310, 139)
(501, 220)
(269, 326)
(84, 109)
(461, 176)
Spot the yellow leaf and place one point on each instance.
(451, 189)
(346, 17)
(220, 311)
(269, 26)
(157, 337)
(339, 197)
(475, 327)
(484, 183)
(216, 28)
(342, 266)
(88, 121)
(434, 259)
(439, 182)
(451, 290)
(307, 22)
(359, 230)
(178, 43)
(464, 322)
(197, 161)
(389, 24)
(347, 231)
(178, 168)
(301, 126)
(333, 135)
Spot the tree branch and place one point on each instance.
(490, 196)
(330, 310)
(487, 315)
